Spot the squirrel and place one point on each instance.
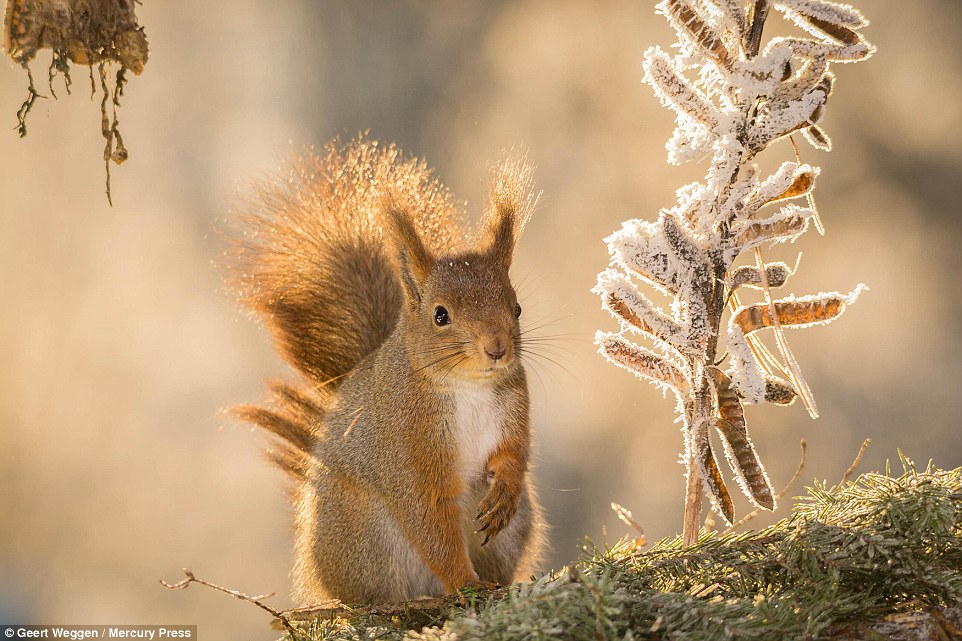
(407, 436)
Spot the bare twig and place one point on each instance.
(858, 459)
(256, 600)
(803, 444)
(283, 619)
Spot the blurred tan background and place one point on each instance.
(119, 346)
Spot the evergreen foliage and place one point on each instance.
(849, 554)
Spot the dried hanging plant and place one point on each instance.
(84, 32)
(732, 101)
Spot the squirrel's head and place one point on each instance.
(461, 314)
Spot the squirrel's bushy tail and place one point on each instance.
(310, 258)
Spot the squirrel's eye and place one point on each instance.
(441, 316)
(517, 310)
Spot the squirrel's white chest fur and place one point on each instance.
(477, 426)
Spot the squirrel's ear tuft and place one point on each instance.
(502, 237)
(414, 260)
(511, 201)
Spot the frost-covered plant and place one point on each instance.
(733, 99)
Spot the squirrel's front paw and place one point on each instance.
(497, 508)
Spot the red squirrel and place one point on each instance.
(407, 434)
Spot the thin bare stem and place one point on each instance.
(858, 458)
(256, 600)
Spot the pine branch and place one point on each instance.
(877, 557)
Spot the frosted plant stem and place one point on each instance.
(701, 403)
(695, 495)
(715, 296)
(744, 98)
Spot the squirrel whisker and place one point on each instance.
(441, 348)
(531, 356)
(450, 368)
(438, 361)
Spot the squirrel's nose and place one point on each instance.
(495, 349)
(495, 354)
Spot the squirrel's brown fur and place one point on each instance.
(403, 426)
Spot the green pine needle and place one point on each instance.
(849, 554)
